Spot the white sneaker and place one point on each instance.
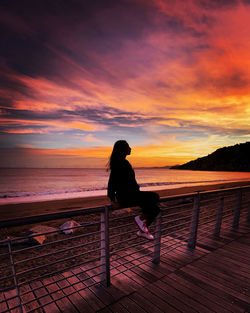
(145, 235)
(141, 224)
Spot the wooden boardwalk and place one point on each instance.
(214, 277)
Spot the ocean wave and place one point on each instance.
(101, 188)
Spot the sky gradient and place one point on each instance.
(170, 77)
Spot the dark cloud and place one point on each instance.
(218, 4)
(61, 39)
(236, 80)
(105, 115)
(177, 26)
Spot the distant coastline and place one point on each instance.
(228, 159)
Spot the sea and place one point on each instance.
(18, 185)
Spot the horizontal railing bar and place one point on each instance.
(6, 253)
(57, 241)
(56, 262)
(4, 266)
(113, 219)
(177, 219)
(120, 226)
(204, 218)
(123, 241)
(8, 276)
(122, 234)
(58, 231)
(58, 271)
(50, 216)
(64, 287)
(84, 211)
(63, 278)
(181, 205)
(131, 246)
(59, 298)
(135, 259)
(169, 250)
(170, 227)
(176, 244)
(131, 223)
(57, 252)
(122, 249)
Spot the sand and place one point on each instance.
(9, 211)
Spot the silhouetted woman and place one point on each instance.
(124, 191)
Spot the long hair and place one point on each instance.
(117, 154)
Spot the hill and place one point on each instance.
(233, 158)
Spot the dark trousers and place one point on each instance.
(147, 200)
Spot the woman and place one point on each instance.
(124, 191)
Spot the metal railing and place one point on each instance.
(103, 245)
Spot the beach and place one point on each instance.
(9, 211)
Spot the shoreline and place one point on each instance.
(15, 210)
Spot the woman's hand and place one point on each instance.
(115, 204)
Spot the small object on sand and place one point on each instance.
(68, 227)
(38, 238)
(40, 233)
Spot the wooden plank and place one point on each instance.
(131, 306)
(240, 248)
(124, 283)
(212, 302)
(145, 303)
(219, 257)
(46, 298)
(178, 292)
(115, 292)
(228, 301)
(11, 303)
(117, 308)
(211, 281)
(230, 269)
(3, 304)
(59, 295)
(163, 268)
(75, 298)
(105, 310)
(224, 278)
(158, 300)
(92, 300)
(146, 275)
(29, 297)
(232, 256)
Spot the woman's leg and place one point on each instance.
(148, 201)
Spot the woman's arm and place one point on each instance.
(111, 187)
(112, 190)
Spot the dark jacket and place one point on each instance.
(122, 180)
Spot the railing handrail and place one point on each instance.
(20, 221)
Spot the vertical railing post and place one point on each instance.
(194, 222)
(237, 210)
(105, 260)
(248, 214)
(157, 239)
(219, 218)
(14, 276)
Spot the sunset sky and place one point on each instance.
(170, 77)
